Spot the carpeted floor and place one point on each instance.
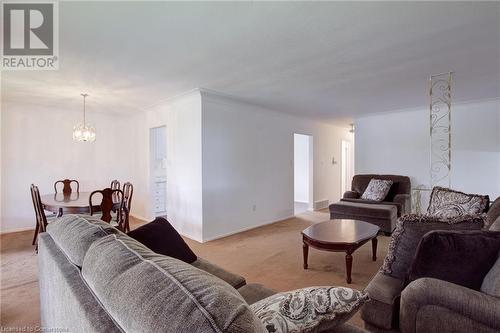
(271, 255)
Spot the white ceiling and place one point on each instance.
(328, 60)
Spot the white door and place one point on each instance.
(347, 166)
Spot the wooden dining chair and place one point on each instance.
(40, 217)
(111, 200)
(115, 185)
(67, 185)
(128, 191)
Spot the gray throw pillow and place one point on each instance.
(445, 202)
(377, 189)
(312, 309)
(409, 231)
(491, 282)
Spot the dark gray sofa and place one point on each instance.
(383, 214)
(87, 284)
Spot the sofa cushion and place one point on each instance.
(254, 292)
(459, 257)
(445, 202)
(75, 233)
(160, 237)
(234, 280)
(148, 292)
(491, 282)
(398, 205)
(410, 229)
(313, 309)
(364, 209)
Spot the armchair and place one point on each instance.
(432, 305)
(381, 213)
(428, 304)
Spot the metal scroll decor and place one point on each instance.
(440, 129)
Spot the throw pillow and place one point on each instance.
(460, 257)
(160, 237)
(445, 202)
(312, 309)
(491, 282)
(408, 232)
(377, 189)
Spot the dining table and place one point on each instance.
(73, 203)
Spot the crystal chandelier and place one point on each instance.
(84, 132)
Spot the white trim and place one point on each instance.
(140, 217)
(16, 230)
(426, 106)
(244, 229)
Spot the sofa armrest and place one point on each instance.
(405, 201)
(351, 195)
(465, 302)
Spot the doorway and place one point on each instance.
(347, 166)
(302, 172)
(158, 169)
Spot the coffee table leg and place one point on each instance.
(374, 249)
(305, 250)
(348, 266)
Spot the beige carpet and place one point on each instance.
(271, 255)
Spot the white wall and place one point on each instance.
(37, 147)
(182, 118)
(248, 161)
(301, 168)
(398, 143)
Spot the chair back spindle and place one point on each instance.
(67, 185)
(111, 200)
(115, 185)
(128, 191)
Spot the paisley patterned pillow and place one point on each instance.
(377, 189)
(447, 203)
(312, 309)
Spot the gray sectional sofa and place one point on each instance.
(93, 278)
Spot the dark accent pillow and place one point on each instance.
(160, 237)
(409, 231)
(460, 257)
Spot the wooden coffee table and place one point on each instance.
(340, 236)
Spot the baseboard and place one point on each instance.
(321, 204)
(140, 217)
(17, 230)
(245, 229)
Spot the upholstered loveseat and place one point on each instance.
(93, 278)
(384, 213)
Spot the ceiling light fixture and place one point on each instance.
(83, 132)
